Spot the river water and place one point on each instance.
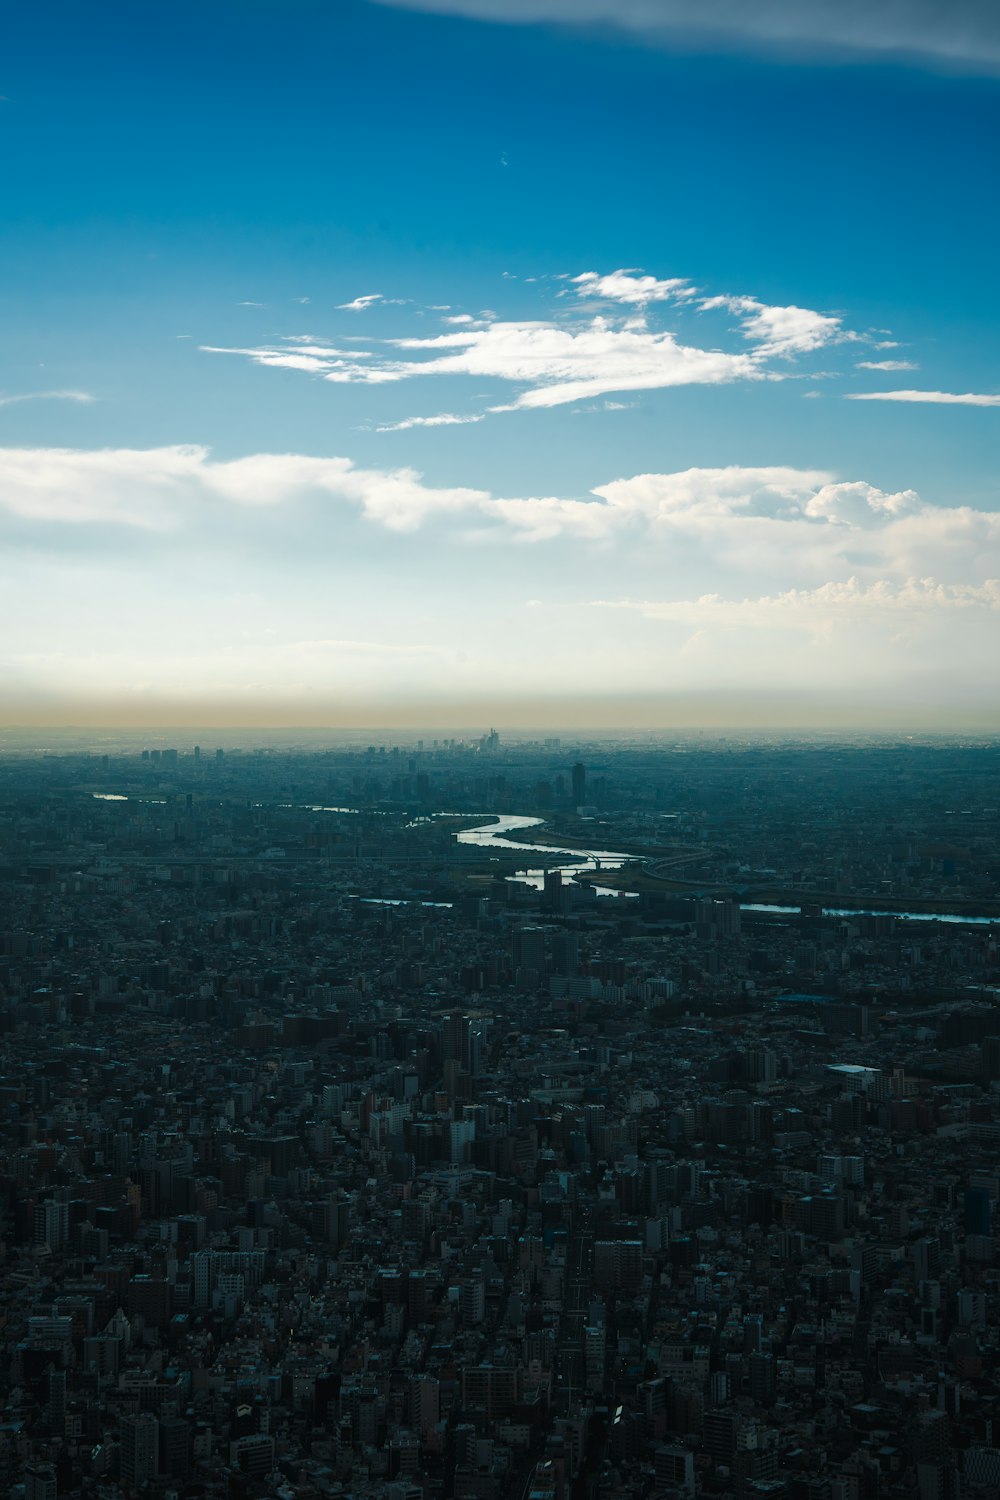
(495, 835)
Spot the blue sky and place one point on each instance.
(665, 265)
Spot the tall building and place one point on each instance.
(552, 890)
(529, 949)
(565, 952)
(579, 784)
(140, 1447)
(52, 1225)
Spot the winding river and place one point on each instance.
(495, 834)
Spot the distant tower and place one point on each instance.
(579, 784)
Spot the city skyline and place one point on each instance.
(382, 363)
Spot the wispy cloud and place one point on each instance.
(304, 355)
(963, 33)
(558, 360)
(934, 398)
(370, 299)
(886, 364)
(82, 398)
(443, 419)
(560, 365)
(361, 304)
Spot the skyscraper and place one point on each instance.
(579, 784)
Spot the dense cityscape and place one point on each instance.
(500, 1118)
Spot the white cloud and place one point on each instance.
(762, 519)
(295, 574)
(559, 365)
(963, 33)
(560, 361)
(162, 489)
(772, 527)
(313, 359)
(79, 486)
(443, 419)
(780, 331)
(886, 364)
(933, 398)
(82, 398)
(371, 299)
(630, 288)
(360, 304)
(860, 505)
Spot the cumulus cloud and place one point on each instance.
(963, 33)
(933, 398)
(780, 331)
(631, 288)
(789, 509)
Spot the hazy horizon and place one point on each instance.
(609, 718)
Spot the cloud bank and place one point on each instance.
(292, 578)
